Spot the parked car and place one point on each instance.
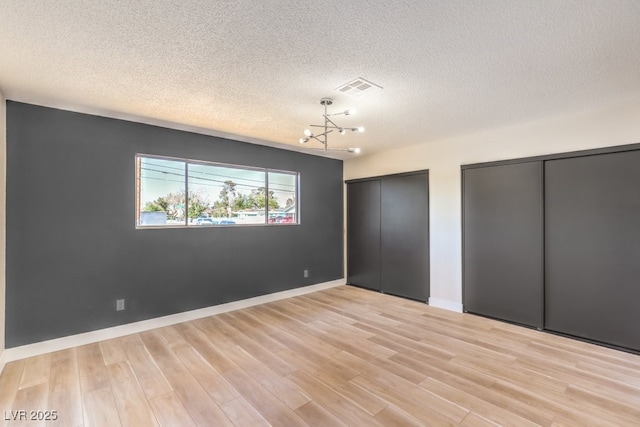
(226, 221)
(206, 221)
(281, 220)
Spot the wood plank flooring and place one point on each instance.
(339, 357)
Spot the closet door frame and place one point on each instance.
(404, 236)
(371, 252)
(593, 245)
(543, 159)
(428, 230)
(535, 164)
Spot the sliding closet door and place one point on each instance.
(405, 236)
(503, 271)
(592, 240)
(363, 234)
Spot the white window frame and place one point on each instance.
(187, 162)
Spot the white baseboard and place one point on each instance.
(57, 344)
(447, 305)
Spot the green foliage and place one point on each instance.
(229, 201)
(273, 203)
(198, 205)
(257, 199)
(158, 205)
(172, 204)
(227, 198)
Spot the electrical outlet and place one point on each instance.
(306, 273)
(119, 305)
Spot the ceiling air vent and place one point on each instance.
(358, 87)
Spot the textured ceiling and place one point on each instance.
(256, 69)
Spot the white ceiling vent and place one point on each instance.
(358, 87)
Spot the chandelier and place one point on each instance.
(328, 127)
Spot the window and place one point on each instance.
(185, 193)
(282, 197)
(161, 192)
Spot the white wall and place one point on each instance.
(3, 198)
(614, 126)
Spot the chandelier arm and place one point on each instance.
(327, 119)
(329, 126)
(324, 134)
(335, 127)
(348, 150)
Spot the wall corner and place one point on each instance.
(3, 208)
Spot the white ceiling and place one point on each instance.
(256, 69)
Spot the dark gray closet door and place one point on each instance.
(363, 234)
(405, 236)
(503, 271)
(592, 219)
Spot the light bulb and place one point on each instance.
(307, 132)
(350, 112)
(360, 129)
(357, 151)
(342, 131)
(304, 140)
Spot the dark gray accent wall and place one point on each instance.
(72, 245)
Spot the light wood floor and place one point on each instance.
(343, 356)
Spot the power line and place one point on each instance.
(273, 186)
(214, 174)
